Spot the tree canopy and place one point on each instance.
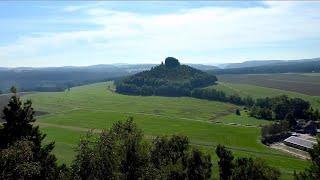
(243, 168)
(22, 153)
(123, 153)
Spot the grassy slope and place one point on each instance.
(260, 92)
(94, 106)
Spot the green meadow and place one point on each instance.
(207, 123)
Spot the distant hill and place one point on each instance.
(169, 79)
(60, 78)
(306, 66)
(203, 67)
(256, 63)
(250, 64)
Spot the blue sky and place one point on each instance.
(84, 33)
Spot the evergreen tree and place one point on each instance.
(18, 126)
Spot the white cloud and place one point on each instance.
(190, 33)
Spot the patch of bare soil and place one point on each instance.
(290, 150)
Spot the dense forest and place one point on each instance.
(288, 67)
(169, 79)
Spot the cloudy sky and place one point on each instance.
(86, 33)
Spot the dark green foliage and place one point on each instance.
(169, 79)
(313, 172)
(210, 94)
(225, 162)
(213, 94)
(120, 153)
(169, 156)
(134, 157)
(238, 112)
(275, 132)
(291, 120)
(168, 150)
(17, 162)
(18, 118)
(261, 113)
(171, 62)
(85, 165)
(243, 168)
(248, 101)
(18, 126)
(253, 169)
(280, 107)
(198, 165)
(287, 110)
(123, 153)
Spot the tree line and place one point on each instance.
(216, 95)
(286, 112)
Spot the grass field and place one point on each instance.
(96, 106)
(304, 83)
(254, 91)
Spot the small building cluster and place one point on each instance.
(299, 143)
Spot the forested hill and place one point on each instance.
(169, 79)
(283, 67)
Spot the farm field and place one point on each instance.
(304, 83)
(256, 91)
(206, 123)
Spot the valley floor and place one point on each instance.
(206, 123)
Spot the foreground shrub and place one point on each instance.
(243, 168)
(123, 153)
